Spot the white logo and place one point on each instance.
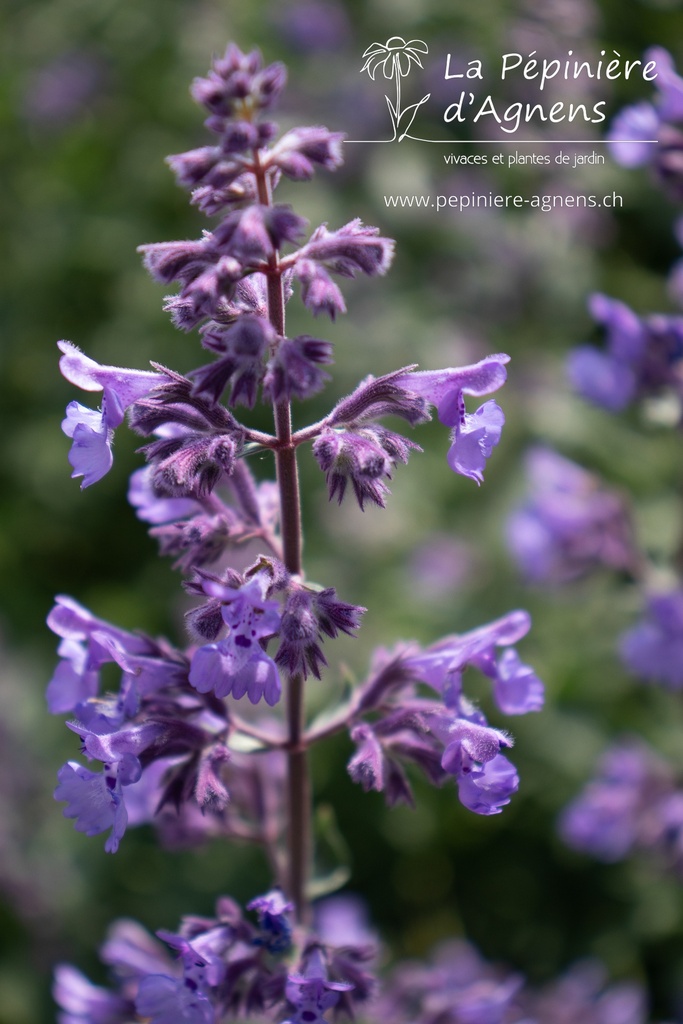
(395, 58)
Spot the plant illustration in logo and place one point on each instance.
(395, 58)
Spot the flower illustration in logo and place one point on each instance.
(395, 58)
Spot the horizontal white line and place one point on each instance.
(509, 142)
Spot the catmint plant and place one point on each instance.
(194, 739)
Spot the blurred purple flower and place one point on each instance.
(644, 356)
(63, 90)
(569, 524)
(314, 26)
(653, 649)
(660, 122)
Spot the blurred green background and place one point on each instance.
(93, 96)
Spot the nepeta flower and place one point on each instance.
(610, 817)
(238, 665)
(651, 133)
(653, 649)
(310, 993)
(273, 913)
(92, 432)
(474, 435)
(95, 799)
(569, 524)
(644, 356)
(238, 83)
(85, 1003)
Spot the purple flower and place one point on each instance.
(164, 1000)
(310, 993)
(605, 819)
(441, 665)
(631, 134)
(489, 788)
(242, 347)
(517, 689)
(365, 457)
(570, 524)
(298, 151)
(318, 291)
(601, 378)
(653, 649)
(87, 644)
(474, 438)
(643, 356)
(238, 82)
(152, 508)
(95, 800)
(276, 928)
(92, 432)
(659, 122)
(352, 248)
(474, 435)
(85, 1003)
(457, 987)
(238, 664)
(294, 371)
(469, 744)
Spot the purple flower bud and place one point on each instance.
(237, 82)
(293, 372)
(336, 616)
(299, 150)
(243, 345)
(350, 249)
(210, 792)
(194, 542)
(178, 261)
(254, 233)
(319, 292)
(299, 651)
(381, 396)
(191, 167)
(367, 764)
(191, 466)
(364, 457)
